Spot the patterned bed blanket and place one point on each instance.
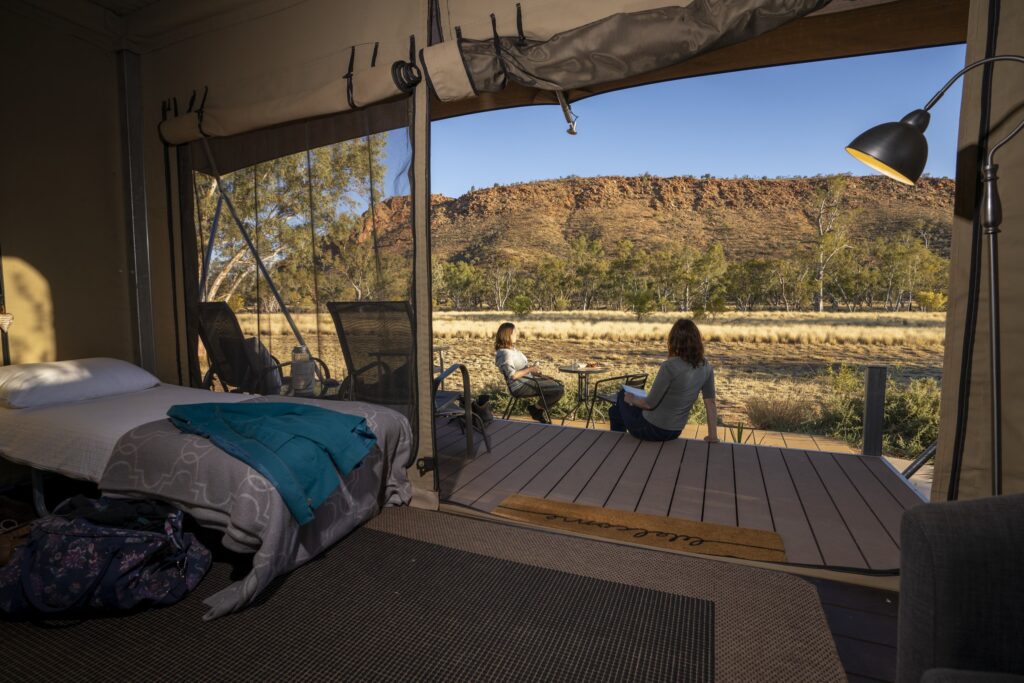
(221, 492)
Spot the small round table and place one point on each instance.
(583, 398)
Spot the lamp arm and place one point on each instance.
(997, 58)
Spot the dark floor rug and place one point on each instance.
(386, 607)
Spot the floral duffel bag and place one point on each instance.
(101, 556)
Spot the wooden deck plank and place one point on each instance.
(481, 463)
(600, 487)
(540, 484)
(800, 442)
(545, 482)
(454, 439)
(752, 508)
(720, 487)
(879, 550)
(546, 457)
(631, 485)
(576, 478)
(453, 443)
(546, 444)
(878, 498)
(661, 484)
(688, 498)
(899, 487)
(834, 538)
(452, 457)
(787, 510)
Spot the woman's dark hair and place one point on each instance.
(503, 340)
(684, 341)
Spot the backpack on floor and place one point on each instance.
(100, 556)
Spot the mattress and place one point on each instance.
(76, 439)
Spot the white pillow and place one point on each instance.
(42, 384)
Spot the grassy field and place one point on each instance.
(756, 355)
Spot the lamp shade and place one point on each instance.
(898, 149)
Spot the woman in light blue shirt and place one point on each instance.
(524, 379)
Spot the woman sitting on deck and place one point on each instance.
(524, 379)
(662, 414)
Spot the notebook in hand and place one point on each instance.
(639, 393)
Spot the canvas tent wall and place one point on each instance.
(61, 203)
(258, 58)
(965, 424)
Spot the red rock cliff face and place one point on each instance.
(749, 217)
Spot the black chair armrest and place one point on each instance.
(621, 379)
(961, 597)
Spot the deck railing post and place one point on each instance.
(874, 408)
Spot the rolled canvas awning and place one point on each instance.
(565, 47)
(356, 77)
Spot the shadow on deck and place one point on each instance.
(833, 510)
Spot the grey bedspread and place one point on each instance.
(221, 492)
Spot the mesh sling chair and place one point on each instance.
(606, 390)
(240, 363)
(535, 386)
(377, 343)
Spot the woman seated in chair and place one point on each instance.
(525, 380)
(662, 415)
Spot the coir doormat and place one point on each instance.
(651, 530)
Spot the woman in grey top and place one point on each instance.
(522, 378)
(662, 415)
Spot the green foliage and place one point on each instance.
(461, 284)
(641, 303)
(932, 301)
(911, 412)
(521, 305)
(911, 417)
(308, 214)
(842, 410)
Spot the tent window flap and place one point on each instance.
(610, 49)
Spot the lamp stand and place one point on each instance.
(991, 218)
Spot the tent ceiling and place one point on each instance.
(123, 7)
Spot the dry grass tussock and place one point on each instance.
(888, 329)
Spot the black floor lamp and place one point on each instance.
(899, 150)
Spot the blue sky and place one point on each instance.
(778, 121)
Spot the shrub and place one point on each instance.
(520, 305)
(642, 303)
(784, 414)
(932, 301)
(911, 412)
(911, 417)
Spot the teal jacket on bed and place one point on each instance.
(299, 448)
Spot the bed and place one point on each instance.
(124, 443)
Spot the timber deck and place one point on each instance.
(832, 510)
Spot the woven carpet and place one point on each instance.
(654, 530)
(417, 595)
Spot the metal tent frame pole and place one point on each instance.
(249, 243)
